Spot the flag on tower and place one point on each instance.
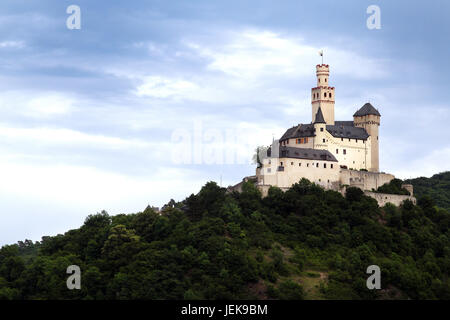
(321, 54)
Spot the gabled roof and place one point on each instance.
(319, 117)
(306, 153)
(300, 131)
(366, 110)
(347, 132)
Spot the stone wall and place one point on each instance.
(363, 179)
(383, 198)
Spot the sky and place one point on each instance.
(149, 100)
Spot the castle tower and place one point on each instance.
(320, 141)
(369, 118)
(323, 95)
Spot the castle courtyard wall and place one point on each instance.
(383, 198)
(364, 180)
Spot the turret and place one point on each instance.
(320, 127)
(323, 95)
(368, 117)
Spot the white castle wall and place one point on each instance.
(323, 173)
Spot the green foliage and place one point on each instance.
(217, 245)
(289, 290)
(436, 188)
(393, 187)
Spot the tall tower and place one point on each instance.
(369, 118)
(323, 95)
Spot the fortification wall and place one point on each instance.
(383, 198)
(363, 179)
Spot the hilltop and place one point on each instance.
(437, 187)
(305, 243)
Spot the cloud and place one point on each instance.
(163, 87)
(425, 164)
(37, 104)
(255, 53)
(64, 137)
(12, 44)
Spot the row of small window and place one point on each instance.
(344, 151)
(316, 95)
(297, 141)
(325, 79)
(307, 165)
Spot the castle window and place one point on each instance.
(317, 165)
(337, 151)
(299, 164)
(325, 94)
(323, 140)
(330, 95)
(342, 139)
(325, 79)
(321, 129)
(307, 164)
(324, 165)
(293, 163)
(331, 165)
(320, 180)
(345, 151)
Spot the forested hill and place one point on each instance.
(437, 187)
(306, 243)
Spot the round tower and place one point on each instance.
(320, 127)
(323, 95)
(368, 117)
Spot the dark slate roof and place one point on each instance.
(347, 132)
(306, 153)
(300, 131)
(319, 117)
(366, 110)
(344, 123)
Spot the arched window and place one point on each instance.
(325, 94)
(330, 94)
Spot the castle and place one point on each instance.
(333, 154)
